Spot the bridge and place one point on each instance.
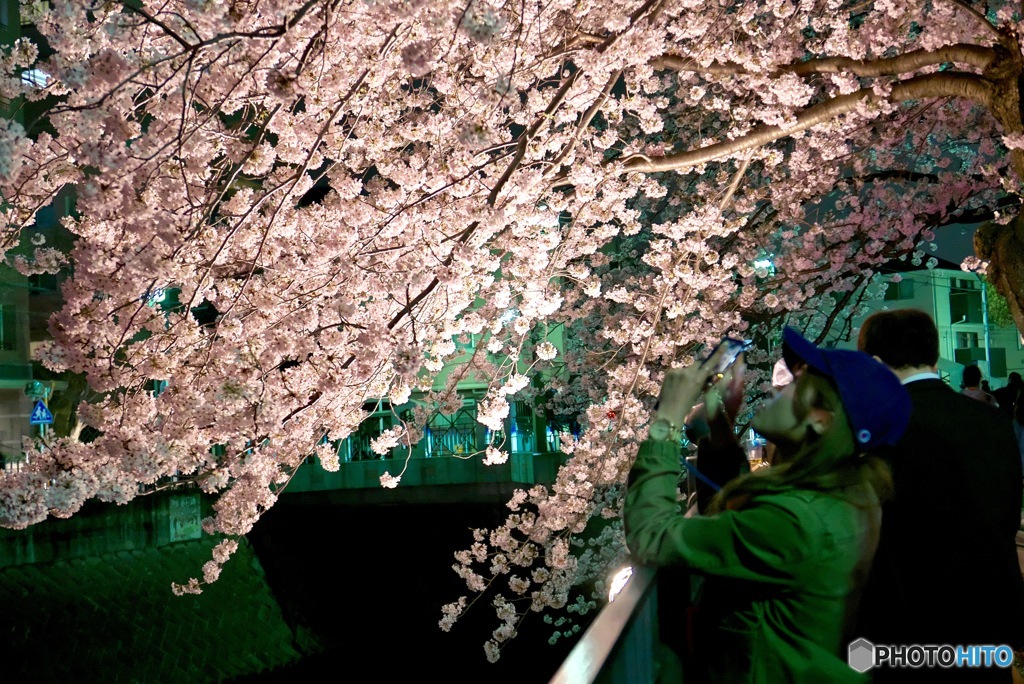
(446, 465)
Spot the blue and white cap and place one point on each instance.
(876, 403)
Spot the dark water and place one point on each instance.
(368, 584)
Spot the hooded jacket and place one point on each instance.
(782, 573)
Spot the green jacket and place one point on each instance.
(781, 574)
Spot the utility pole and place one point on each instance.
(984, 322)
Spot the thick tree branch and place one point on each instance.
(974, 55)
(840, 306)
(529, 134)
(980, 215)
(156, 22)
(937, 85)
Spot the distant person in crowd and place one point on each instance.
(946, 571)
(1008, 396)
(971, 384)
(784, 549)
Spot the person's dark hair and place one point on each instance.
(825, 462)
(971, 376)
(903, 338)
(1014, 379)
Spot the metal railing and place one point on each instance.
(620, 644)
(626, 641)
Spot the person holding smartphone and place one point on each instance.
(785, 549)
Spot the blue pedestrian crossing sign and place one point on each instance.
(40, 414)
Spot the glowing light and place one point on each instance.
(619, 580)
(36, 78)
(764, 263)
(156, 296)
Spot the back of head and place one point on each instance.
(971, 376)
(905, 338)
(1014, 380)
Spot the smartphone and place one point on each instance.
(733, 348)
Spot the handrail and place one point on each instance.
(619, 644)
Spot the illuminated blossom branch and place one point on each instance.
(973, 55)
(968, 86)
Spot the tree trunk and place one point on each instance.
(1003, 248)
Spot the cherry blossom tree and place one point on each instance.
(339, 192)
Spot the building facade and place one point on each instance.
(958, 303)
(26, 302)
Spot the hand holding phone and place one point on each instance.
(730, 348)
(681, 387)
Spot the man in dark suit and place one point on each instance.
(946, 571)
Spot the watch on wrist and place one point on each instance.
(664, 430)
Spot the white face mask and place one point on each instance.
(781, 375)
